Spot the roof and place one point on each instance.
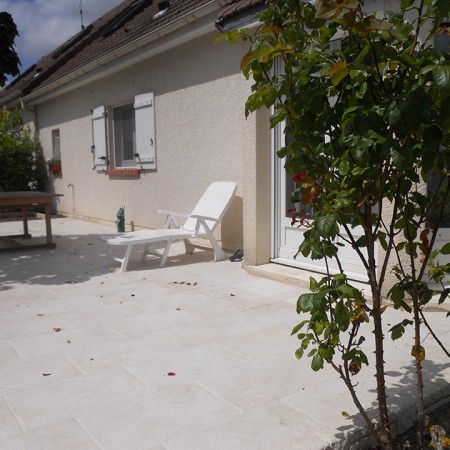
(112, 35)
(123, 25)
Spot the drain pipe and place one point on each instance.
(31, 109)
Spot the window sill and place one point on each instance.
(123, 172)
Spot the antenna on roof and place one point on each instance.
(81, 14)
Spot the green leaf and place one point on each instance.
(397, 331)
(361, 242)
(299, 353)
(282, 152)
(445, 250)
(305, 247)
(305, 302)
(340, 276)
(326, 225)
(432, 137)
(365, 51)
(342, 315)
(442, 76)
(298, 327)
(338, 72)
(348, 291)
(400, 31)
(317, 362)
(382, 239)
(406, 4)
(344, 167)
(444, 295)
(397, 294)
(313, 285)
(428, 159)
(248, 59)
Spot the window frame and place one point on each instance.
(104, 149)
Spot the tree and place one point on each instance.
(9, 61)
(367, 125)
(22, 165)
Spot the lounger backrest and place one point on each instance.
(214, 203)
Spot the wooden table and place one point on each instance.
(25, 200)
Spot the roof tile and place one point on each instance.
(92, 43)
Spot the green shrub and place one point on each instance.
(22, 165)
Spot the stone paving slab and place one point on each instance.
(196, 355)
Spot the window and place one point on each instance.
(124, 136)
(54, 163)
(56, 147)
(127, 139)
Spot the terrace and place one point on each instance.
(196, 355)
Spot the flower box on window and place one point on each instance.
(54, 167)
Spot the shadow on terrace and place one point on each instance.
(77, 257)
(401, 394)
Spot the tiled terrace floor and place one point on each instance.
(195, 356)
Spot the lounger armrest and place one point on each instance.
(201, 222)
(172, 213)
(202, 218)
(171, 222)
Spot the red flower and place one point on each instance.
(297, 178)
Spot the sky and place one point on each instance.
(43, 25)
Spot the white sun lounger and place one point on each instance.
(203, 220)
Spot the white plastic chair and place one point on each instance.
(201, 222)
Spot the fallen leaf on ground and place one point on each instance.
(46, 374)
(56, 330)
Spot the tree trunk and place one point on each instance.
(418, 358)
(385, 433)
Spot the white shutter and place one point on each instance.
(99, 138)
(145, 131)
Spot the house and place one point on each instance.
(144, 110)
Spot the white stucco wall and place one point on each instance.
(201, 136)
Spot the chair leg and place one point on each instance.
(147, 250)
(219, 254)
(188, 247)
(165, 254)
(125, 259)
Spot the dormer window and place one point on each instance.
(163, 8)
